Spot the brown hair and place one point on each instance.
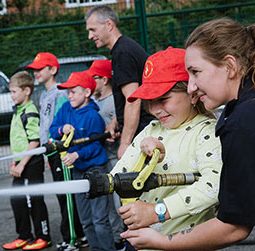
(200, 108)
(182, 87)
(224, 36)
(22, 80)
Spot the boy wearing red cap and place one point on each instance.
(184, 133)
(45, 67)
(81, 115)
(101, 71)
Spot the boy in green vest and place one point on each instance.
(24, 135)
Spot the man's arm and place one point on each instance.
(131, 118)
(211, 235)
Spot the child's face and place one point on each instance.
(78, 96)
(19, 95)
(172, 109)
(44, 75)
(99, 85)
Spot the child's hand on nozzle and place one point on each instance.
(67, 129)
(149, 144)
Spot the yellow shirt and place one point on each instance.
(192, 147)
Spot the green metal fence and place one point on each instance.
(153, 29)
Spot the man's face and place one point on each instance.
(98, 31)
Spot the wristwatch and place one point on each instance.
(160, 210)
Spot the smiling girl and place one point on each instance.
(184, 133)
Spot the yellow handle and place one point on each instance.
(140, 162)
(144, 172)
(67, 140)
(138, 183)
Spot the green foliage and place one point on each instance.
(168, 23)
(20, 5)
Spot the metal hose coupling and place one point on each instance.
(122, 183)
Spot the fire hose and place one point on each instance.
(126, 185)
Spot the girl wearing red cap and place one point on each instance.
(184, 133)
(220, 62)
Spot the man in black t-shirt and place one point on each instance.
(128, 59)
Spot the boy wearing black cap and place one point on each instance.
(81, 115)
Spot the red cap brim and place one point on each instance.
(148, 91)
(66, 85)
(36, 66)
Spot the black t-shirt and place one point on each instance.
(236, 128)
(128, 59)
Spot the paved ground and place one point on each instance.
(7, 228)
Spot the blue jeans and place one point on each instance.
(93, 214)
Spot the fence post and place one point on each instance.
(142, 23)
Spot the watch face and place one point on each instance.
(160, 208)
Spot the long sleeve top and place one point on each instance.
(86, 122)
(192, 147)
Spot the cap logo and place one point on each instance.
(148, 69)
(37, 58)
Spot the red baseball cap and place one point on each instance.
(81, 78)
(161, 72)
(101, 68)
(42, 60)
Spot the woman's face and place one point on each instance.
(207, 82)
(172, 109)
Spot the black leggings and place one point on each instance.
(28, 206)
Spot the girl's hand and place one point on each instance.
(149, 144)
(138, 214)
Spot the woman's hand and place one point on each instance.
(145, 238)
